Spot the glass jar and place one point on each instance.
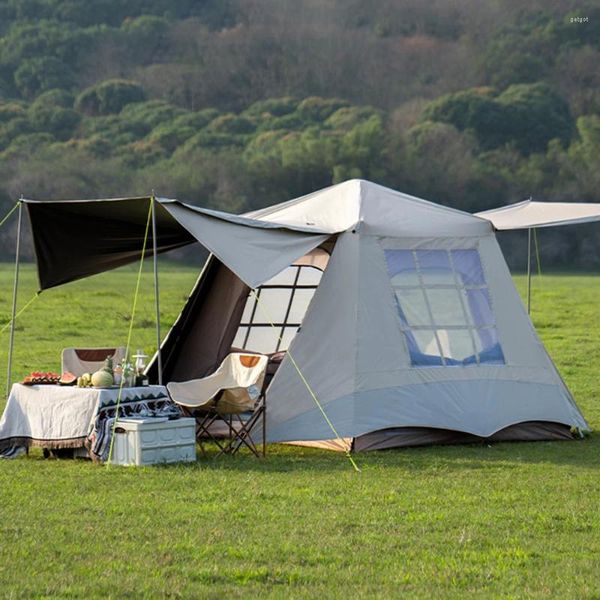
(118, 374)
(128, 375)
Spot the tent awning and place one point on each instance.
(254, 250)
(74, 239)
(531, 214)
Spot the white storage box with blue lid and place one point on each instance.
(154, 440)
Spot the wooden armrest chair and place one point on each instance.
(232, 393)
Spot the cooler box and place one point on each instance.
(148, 441)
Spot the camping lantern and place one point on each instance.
(140, 362)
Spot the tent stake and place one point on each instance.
(156, 290)
(529, 271)
(14, 302)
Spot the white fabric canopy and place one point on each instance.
(254, 250)
(529, 214)
(381, 210)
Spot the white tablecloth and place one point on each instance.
(56, 416)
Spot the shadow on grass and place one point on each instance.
(280, 458)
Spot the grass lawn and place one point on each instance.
(507, 520)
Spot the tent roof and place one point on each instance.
(78, 238)
(530, 214)
(381, 210)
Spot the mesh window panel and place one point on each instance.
(273, 305)
(300, 302)
(262, 339)
(309, 276)
(282, 303)
(286, 277)
(444, 307)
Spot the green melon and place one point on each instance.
(102, 379)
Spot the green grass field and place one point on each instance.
(501, 521)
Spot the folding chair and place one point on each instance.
(233, 391)
(87, 360)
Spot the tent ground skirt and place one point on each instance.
(404, 437)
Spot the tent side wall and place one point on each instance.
(353, 352)
(324, 349)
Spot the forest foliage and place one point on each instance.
(239, 104)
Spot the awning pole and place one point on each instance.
(14, 302)
(529, 271)
(156, 290)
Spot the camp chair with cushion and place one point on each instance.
(232, 393)
(87, 360)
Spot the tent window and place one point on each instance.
(444, 307)
(284, 300)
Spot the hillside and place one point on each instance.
(239, 104)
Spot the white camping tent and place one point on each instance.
(415, 333)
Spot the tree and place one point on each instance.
(439, 163)
(474, 109)
(55, 97)
(173, 133)
(275, 107)
(535, 114)
(113, 130)
(231, 124)
(318, 109)
(515, 57)
(52, 113)
(10, 111)
(26, 145)
(151, 113)
(361, 150)
(36, 75)
(55, 120)
(349, 116)
(584, 156)
(12, 129)
(109, 97)
(145, 36)
(527, 115)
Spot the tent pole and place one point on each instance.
(529, 271)
(156, 290)
(14, 302)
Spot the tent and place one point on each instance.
(395, 320)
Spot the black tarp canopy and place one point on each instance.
(74, 239)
